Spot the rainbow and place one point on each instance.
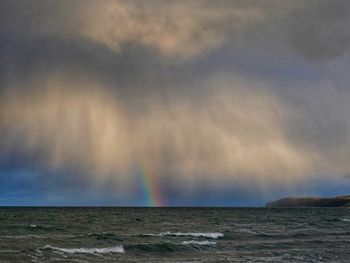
(150, 185)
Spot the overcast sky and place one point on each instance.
(200, 103)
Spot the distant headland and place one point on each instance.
(338, 201)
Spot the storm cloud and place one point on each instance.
(195, 91)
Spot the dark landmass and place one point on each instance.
(338, 201)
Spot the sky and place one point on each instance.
(173, 103)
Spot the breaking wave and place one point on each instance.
(105, 250)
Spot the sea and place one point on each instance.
(48, 234)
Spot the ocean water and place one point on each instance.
(174, 235)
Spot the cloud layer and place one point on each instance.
(194, 91)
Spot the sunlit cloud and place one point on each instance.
(232, 130)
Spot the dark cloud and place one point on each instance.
(320, 31)
(316, 30)
(37, 36)
(194, 89)
(38, 56)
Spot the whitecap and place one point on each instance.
(345, 219)
(105, 250)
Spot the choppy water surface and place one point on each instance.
(174, 235)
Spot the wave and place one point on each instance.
(10, 251)
(345, 219)
(105, 250)
(105, 236)
(37, 236)
(246, 231)
(170, 246)
(42, 227)
(213, 235)
(157, 247)
(199, 243)
(34, 227)
(23, 237)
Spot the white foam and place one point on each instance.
(345, 219)
(201, 243)
(213, 235)
(105, 250)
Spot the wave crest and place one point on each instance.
(105, 250)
